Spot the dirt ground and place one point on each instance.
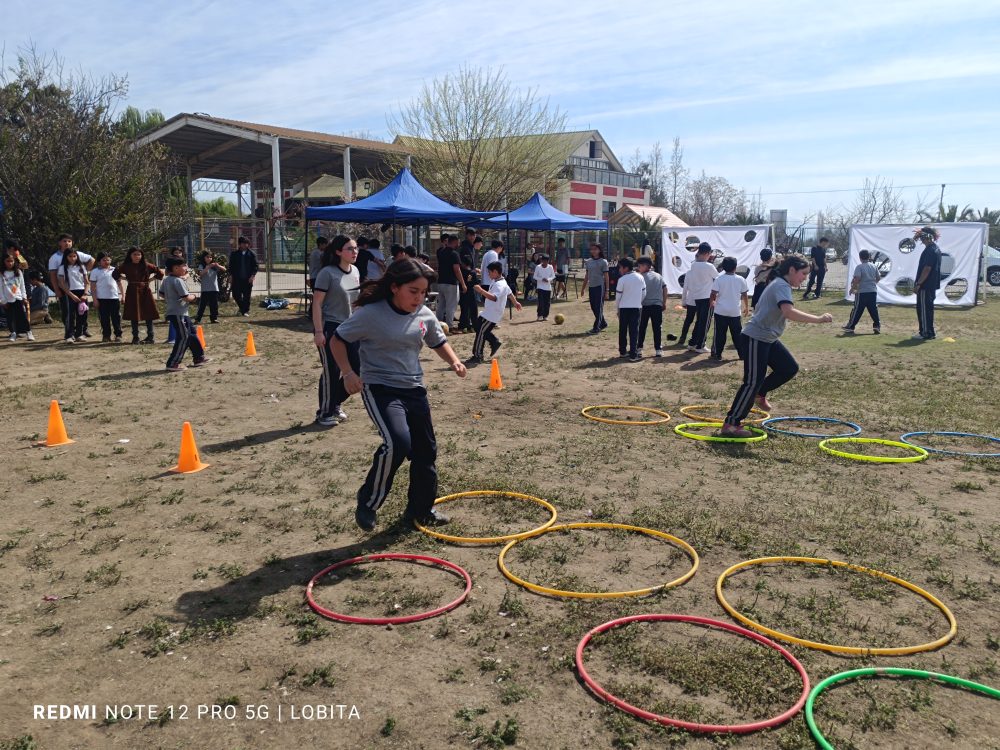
(124, 585)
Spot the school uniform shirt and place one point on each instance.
(390, 342)
(654, 289)
(867, 276)
(490, 256)
(374, 270)
(209, 279)
(76, 276)
(341, 290)
(631, 290)
(175, 290)
(699, 278)
(818, 256)
(930, 258)
(493, 308)
(315, 263)
(544, 276)
(12, 287)
(596, 268)
(767, 323)
(731, 289)
(55, 260)
(103, 284)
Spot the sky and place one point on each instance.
(800, 101)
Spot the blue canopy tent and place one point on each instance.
(537, 213)
(403, 201)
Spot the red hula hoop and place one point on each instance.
(389, 620)
(688, 725)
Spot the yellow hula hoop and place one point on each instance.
(829, 647)
(686, 411)
(682, 429)
(491, 539)
(664, 416)
(688, 550)
(921, 454)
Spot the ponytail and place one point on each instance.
(399, 272)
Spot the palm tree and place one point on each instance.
(946, 215)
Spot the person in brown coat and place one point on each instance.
(139, 301)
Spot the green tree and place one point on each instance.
(66, 165)
(218, 207)
(947, 214)
(134, 122)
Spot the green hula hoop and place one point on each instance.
(921, 454)
(883, 672)
(682, 429)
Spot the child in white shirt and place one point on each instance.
(106, 287)
(496, 302)
(729, 296)
(698, 283)
(630, 292)
(544, 273)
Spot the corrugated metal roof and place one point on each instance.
(630, 214)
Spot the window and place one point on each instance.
(608, 208)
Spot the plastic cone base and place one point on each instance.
(56, 434)
(251, 350)
(189, 461)
(496, 383)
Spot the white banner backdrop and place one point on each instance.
(679, 245)
(896, 254)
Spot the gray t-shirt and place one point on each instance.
(596, 268)
(175, 291)
(767, 323)
(654, 289)
(391, 342)
(562, 256)
(340, 289)
(315, 263)
(209, 279)
(867, 276)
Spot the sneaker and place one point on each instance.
(593, 332)
(622, 355)
(732, 431)
(13, 337)
(175, 368)
(918, 336)
(876, 331)
(603, 325)
(495, 349)
(169, 341)
(84, 335)
(702, 350)
(638, 350)
(762, 403)
(326, 421)
(692, 348)
(671, 337)
(365, 518)
(70, 340)
(635, 358)
(473, 361)
(201, 362)
(340, 414)
(247, 315)
(213, 321)
(118, 339)
(105, 339)
(847, 330)
(432, 518)
(31, 336)
(716, 357)
(149, 340)
(538, 319)
(659, 352)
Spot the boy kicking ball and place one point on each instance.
(496, 303)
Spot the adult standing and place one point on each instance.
(243, 269)
(562, 268)
(468, 307)
(469, 246)
(817, 267)
(449, 280)
(364, 258)
(336, 290)
(596, 268)
(55, 263)
(139, 302)
(928, 281)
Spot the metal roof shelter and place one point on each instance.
(222, 149)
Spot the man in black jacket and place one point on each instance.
(817, 268)
(242, 270)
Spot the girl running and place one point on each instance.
(761, 348)
(391, 325)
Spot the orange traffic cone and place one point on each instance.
(189, 461)
(57, 430)
(201, 336)
(496, 384)
(251, 350)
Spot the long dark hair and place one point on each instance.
(331, 253)
(398, 273)
(791, 262)
(128, 257)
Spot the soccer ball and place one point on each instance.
(444, 327)
(560, 319)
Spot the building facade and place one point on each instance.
(592, 183)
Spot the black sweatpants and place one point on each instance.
(241, 289)
(727, 324)
(925, 312)
(331, 385)
(544, 302)
(758, 289)
(186, 339)
(690, 314)
(75, 323)
(110, 313)
(597, 306)
(628, 330)
(865, 301)
(17, 318)
(484, 333)
(651, 314)
(149, 330)
(468, 309)
(816, 274)
(211, 301)
(757, 357)
(701, 323)
(403, 419)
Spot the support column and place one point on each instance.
(277, 207)
(190, 223)
(348, 186)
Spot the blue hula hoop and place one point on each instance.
(767, 424)
(992, 439)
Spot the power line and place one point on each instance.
(894, 187)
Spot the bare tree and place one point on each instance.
(709, 201)
(677, 174)
(478, 142)
(65, 165)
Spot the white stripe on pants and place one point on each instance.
(384, 456)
